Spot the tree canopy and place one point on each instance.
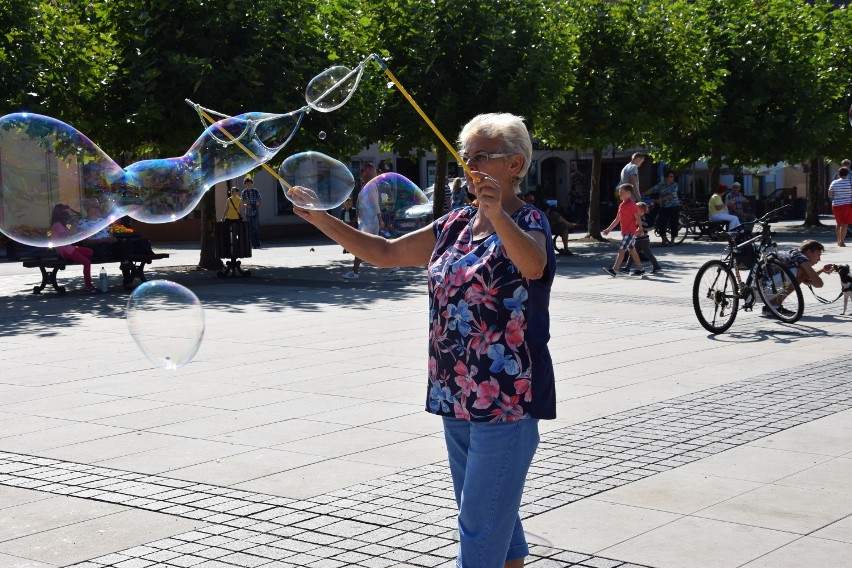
(737, 81)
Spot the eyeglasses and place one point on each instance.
(481, 157)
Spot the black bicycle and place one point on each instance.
(719, 289)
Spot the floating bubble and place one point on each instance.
(850, 115)
(324, 183)
(392, 205)
(332, 88)
(321, 135)
(48, 169)
(167, 322)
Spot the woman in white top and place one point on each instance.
(840, 192)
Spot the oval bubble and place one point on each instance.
(324, 183)
(50, 172)
(392, 205)
(167, 322)
(332, 88)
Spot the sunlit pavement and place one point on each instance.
(297, 435)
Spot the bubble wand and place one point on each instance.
(383, 66)
(239, 144)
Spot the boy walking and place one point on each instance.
(630, 220)
(643, 245)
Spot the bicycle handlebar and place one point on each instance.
(763, 221)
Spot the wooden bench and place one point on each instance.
(49, 263)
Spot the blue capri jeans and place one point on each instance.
(489, 464)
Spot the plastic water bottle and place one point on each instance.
(102, 280)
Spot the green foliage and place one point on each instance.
(57, 58)
(778, 95)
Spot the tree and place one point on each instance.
(496, 55)
(58, 58)
(778, 99)
(636, 81)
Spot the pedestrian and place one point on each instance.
(251, 201)
(630, 175)
(458, 198)
(840, 192)
(367, 173)
(490, 270)
(643, 246)
(668, 216)
(349, 215)
(630, 220)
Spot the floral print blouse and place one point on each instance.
(488, 325)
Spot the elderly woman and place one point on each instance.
(491, 379)
(718, 211)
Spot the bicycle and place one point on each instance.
(718, 288)
(686, 224)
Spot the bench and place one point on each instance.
(132, 267)
(699, 226)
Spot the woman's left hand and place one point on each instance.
(489, 194)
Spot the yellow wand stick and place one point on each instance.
(244, 149)
(434, 128)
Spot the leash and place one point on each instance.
(823, 300)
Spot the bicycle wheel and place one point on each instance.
(714, 296)
(683, 230)
(778, 289)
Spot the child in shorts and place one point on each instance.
(630, 220)
(643, 245)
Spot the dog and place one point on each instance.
(845, 283)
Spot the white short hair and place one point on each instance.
(510, 130)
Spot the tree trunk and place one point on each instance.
(714, 176)
(814, 194)
(595, 195)
(440, 181)
(208, 259)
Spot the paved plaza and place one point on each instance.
(672, 448)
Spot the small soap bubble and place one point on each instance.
(392, 205)
(324, 183)
(321, 135)
(167, 322)
(332, 88)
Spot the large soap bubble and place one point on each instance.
(167, 322)
(323, 182)
(47, 166)
(392, 205)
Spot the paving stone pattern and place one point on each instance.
(409, 517)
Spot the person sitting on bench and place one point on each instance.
(60, 222)
(559, 226)
(102, 242)
(718, 211)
